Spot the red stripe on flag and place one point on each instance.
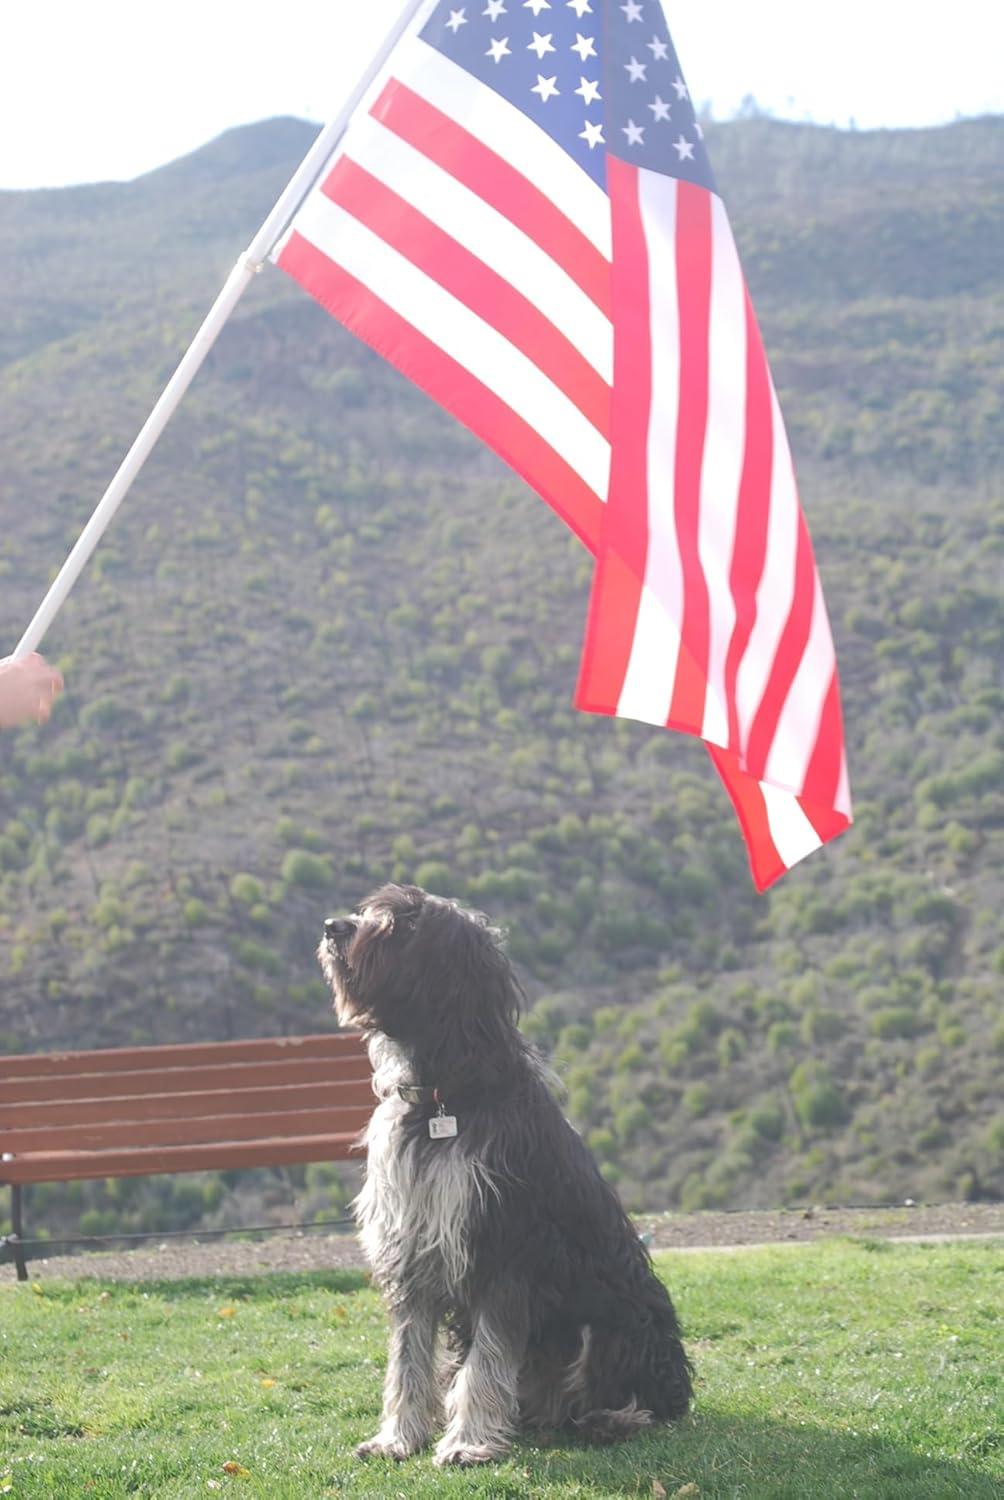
(613, 604)
(620, 571)
(497, 183)
(790, 650)
(693, 261)
(827, 821)
(822, 778)
(448, 382)
(752, 513)
(464, 276)
(766, 864)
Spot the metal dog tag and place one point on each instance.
(441, 1126)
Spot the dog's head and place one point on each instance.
(421, 970)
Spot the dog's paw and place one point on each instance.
(379, 1447)
(465, 1454)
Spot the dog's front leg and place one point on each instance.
(411, 1404)
(482, 1402)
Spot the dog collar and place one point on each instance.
(418, 1093)
(441, 1125)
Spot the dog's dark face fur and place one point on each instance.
(481, 1206)
(420, 969)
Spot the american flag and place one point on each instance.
(522, 218)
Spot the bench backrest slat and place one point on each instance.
(61, 1166)
(107, 1060)
(157, 1106)
(158, 1080)
(186, 1132)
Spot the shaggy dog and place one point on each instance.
(482, 1210)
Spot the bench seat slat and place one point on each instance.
(182, 1055)
(159, 1106)
(70, 1166)
(93, 1085)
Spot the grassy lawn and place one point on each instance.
(840, 1369)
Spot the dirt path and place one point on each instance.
(770, 1226)
(175, 1259)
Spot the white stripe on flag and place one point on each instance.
(777, 585)
(722, 464)
(462, 335)
(794, 836)
(511, 134)
(798, 726)
(647, 690)
(486, 233)
(842, 801)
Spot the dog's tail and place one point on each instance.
(607, 1426)
(633, 1374)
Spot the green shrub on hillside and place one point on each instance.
(767, 1120)
(434, 875)
(898, 1021)
(302, 868)
(697, 1099)
(818, 1100)
(246, 889)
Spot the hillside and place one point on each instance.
(330, 640)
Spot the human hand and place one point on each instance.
(28, 689)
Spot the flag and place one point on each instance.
(522, 218)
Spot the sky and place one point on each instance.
(99, 89)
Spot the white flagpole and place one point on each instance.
(249, 264)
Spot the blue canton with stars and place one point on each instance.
(598, 75)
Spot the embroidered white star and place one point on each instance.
(682, 91)
(588, 91)
(635, 133)
(545, 87)
(580, 7)
(592, 135)
(536, 6)
(632, 10)
(457, 19)
(659, 50)
(540, 44)
(685, 149)
(659, 108)
(635, 70)
(583, 45)
(493, 10)
(498, 49)
(698, 131)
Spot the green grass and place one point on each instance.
(848, 1368)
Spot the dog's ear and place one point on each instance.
(377, 925)
(492, 972)
(467, 992)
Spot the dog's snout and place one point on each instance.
(338, 927)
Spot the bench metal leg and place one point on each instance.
(16, 1228)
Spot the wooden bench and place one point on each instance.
(142, 1111)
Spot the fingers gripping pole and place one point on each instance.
(236, 284)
